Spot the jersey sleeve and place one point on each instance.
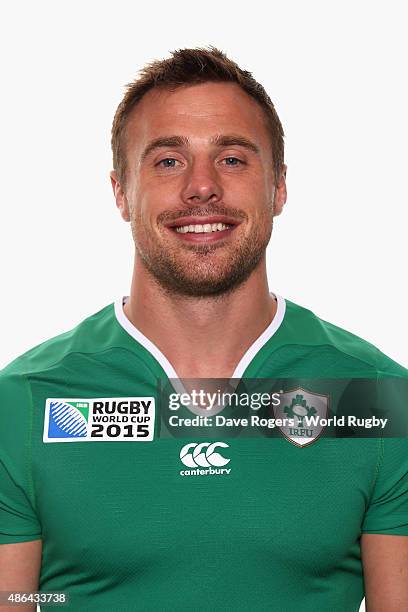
(387, 512)
(18, 519)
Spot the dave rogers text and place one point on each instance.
(221, 421)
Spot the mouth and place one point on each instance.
(203, 229)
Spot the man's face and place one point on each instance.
(200, 192)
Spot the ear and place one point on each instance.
(120, 196)
(280, 192)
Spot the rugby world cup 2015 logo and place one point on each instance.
(68, 419)
(102, 419)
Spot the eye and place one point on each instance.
(233, 160)
(167, 162)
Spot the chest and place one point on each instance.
(168, 500)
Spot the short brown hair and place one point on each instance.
(192, 66)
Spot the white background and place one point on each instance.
(336, 72)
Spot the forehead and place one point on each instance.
(198, 112)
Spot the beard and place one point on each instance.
(202, 270)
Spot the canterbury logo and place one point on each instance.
(203, 455)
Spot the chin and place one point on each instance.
(203, 286)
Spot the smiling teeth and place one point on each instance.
(199, 229)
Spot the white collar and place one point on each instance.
(164, 362)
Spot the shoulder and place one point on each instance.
(311, 330)
(90, 335)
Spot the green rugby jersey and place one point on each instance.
(126, 524)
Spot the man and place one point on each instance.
(116, 518)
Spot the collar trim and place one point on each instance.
(246, 359)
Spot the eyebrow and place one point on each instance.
(233, 139)
(221, 140)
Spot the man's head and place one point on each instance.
(197, 145)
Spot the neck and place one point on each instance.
(201, 337)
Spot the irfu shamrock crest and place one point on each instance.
(299, 409)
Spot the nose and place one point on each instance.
(202, 183)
